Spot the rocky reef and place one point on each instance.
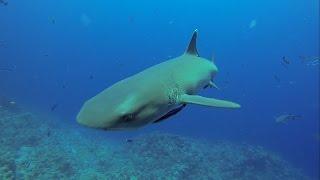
(34, 148)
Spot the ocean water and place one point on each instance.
(54, 55)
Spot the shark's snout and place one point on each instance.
(85, 119)
(108, 114)
(93, 115)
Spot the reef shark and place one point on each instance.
(154, 94)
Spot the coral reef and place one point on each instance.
(19, 129)
(32, 148)
(164, 155)
(7, 165)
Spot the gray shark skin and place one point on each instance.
(153, 94)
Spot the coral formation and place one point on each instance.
(32, 148)
(165, 155)
(7, 165)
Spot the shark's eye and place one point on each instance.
(127, 117)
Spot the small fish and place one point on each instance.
(313, 63)
(276, 78)
(317, 136)
(64, 85)
(49, 133)
(129, 140)
(287, 117)
(2, 43)
(6, 69)
(3, 2)
(53, 21)
(285, 62)
(54, 107)
(309, 58)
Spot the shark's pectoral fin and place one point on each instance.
(195, 99)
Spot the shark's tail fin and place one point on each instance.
(192, 48)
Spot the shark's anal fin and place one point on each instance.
(192, 48)
(195, 99)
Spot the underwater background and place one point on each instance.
(54, 55)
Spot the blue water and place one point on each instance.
(64, 52)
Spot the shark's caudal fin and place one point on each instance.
(192, 48)
(194, 99)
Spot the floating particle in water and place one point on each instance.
(119, 63)
(85, 19)
(292, 82)
(131, 19)
(2, 44)
(172, 21)
(253, 24)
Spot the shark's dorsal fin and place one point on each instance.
(192, 48)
